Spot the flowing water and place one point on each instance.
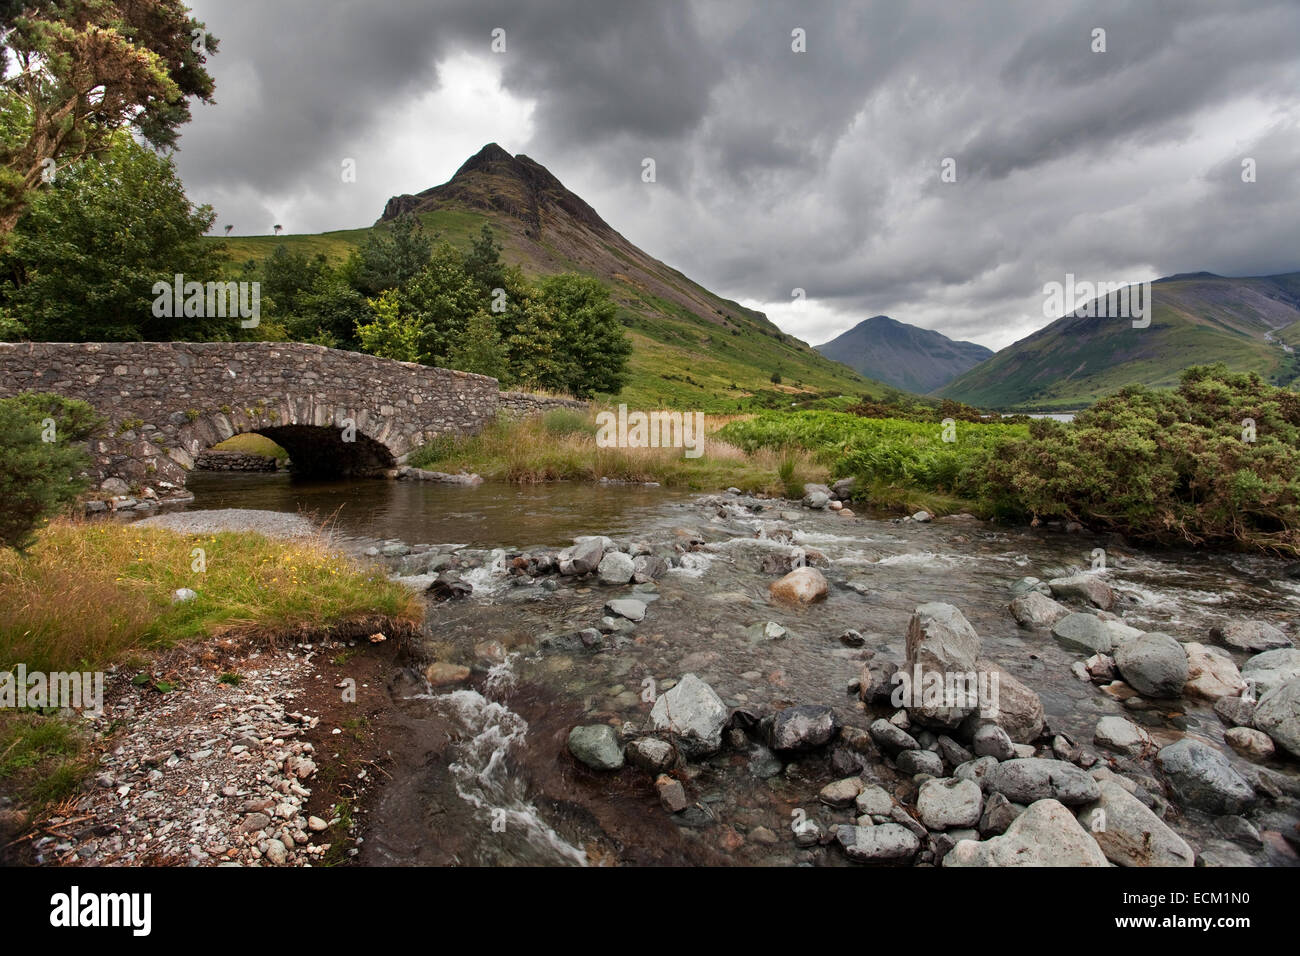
(486, 778)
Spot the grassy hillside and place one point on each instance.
(1196, 320)
(691, 348)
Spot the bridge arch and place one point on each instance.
(335, 412)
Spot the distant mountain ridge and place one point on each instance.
(1249, 323)
(902, 355)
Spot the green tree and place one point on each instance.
(593, 343)
(439, 300)
(483, 262)
(42, 458)
(389, 334)
(78, 71)
(390, 257)
(83, 261)
(480, 349)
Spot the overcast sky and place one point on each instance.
(780, 170)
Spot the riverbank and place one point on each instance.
(133, 601)
(255, 755)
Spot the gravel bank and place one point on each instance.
(273, 524)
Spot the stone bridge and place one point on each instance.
(336, 413)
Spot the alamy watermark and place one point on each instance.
(211, 300)
(660, 429)
(1102, 300)
(956, 690)
(65, 690)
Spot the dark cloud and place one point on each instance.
(777, 169)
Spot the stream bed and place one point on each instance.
(500, 786)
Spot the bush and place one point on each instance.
(1165, 466)
(41, 460)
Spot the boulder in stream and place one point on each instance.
(800, 586)
(1087, 587)
(1154, 665)
(693, 714)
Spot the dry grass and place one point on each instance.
(561, 446)
(87, 594)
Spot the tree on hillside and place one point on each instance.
(77, 71)
(483, 262)
(83, 261)
(391, 257)
(593, 341)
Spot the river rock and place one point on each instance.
(651, 753)
(802, 728)
(912, 762)
(647, 568)
(672, 795)
(843, 489)
(817, 500)
(1036, 610)
(448, 587)
(1251, 743)
(1154, 665)
(952, 752)
(990, 740)
(615, 568)
(765, 631)
(629, 608)
(1278, 715)
(1130, 834)
(1253, 636)
(1028, 779)
(876, 681)
(1201, 777)
(949, 803)
(1083, 587)
(1100, 667)
(800, 586)
(886, 842)
(999, 812)
(891, 739)
(873, 801)
(1016, 708)
(694, 714)
(584, 557)
(1084, 632)
(1271, 669)
(940, 641)
(1029, 584)
(976, 769)
(923, 517)
(842, 793)
(1123, 736)
(597, 746)
(1235, 711)
(441, 673)
(1046, 834)
(1211, 673)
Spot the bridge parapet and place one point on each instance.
(166, 402)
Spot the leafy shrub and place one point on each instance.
(39, 476)
(1166, 466)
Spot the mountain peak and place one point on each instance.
(494, 181)
(491, 158)
(903, 355)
